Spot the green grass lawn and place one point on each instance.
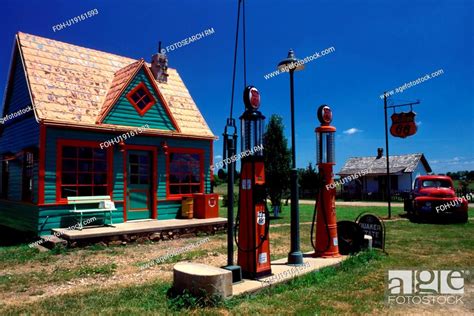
(342, 212)
(356, 287)
(221, 189)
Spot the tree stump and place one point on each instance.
(197, 278)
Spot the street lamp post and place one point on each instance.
(295, 256)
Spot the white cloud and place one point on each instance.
(452, 161)
(419, 123)
(352, 131)
(218, 157)
(452, 164)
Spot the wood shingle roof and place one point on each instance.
(73, 85)
(377, 166)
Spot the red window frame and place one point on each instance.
(177, 196)
(59, 166)
(148, 106)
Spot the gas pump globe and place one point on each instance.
(252, 218)
(251, 122)
(326, 229)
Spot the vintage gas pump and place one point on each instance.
(252, 218)
(326, 228)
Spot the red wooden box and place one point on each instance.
(206, 205)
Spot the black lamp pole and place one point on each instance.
(295, 256)
(387, 185)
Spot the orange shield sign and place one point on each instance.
(403, 124)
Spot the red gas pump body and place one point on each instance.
(254, 243)
(252, 219)
(326, 222)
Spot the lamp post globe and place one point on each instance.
(290, 63)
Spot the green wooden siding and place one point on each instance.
(19, 133)
(169, 209)
(15, 179)
(59, 216)
(18, 96)
(18, 215)
(123, 113)
(166, 209)
(22, 131)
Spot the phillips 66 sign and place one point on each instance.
(403, 124)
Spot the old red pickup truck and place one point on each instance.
(434, 197)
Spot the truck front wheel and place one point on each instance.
(463, 218)
(408, 207)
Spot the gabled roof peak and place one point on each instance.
(70, 84)
(122, 79)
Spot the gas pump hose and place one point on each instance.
(262, 239)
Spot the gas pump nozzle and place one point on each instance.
(229, 139)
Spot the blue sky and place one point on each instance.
(379, 45)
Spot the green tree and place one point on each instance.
(277, 160)
(308, 181)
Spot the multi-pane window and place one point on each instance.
(185, 173)
(139, 169)
(83, 171)
(141, 98)
(27, 184)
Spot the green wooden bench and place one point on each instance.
(104, 205)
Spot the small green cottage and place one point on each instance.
(80, 122)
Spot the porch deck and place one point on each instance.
(141, 227)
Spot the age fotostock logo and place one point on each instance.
(443, 287)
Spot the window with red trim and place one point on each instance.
(184, 173)
(141, 98)
(83, 171)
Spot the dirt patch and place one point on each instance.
(127, 259)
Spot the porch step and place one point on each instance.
(154, 230)
(41, 248)
(51, 241)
